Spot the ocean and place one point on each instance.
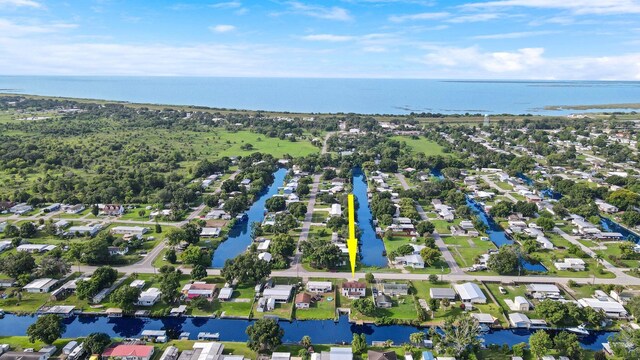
(364, 96)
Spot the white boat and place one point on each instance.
(484, 329)
(208, 336)
(581, 330)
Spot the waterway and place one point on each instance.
(320, 331)
(498, 236)
(437, 174)
(612, 226)
(240, 235)
(371, 246)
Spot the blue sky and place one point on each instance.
(500, 39)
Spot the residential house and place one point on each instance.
(35, 248)
(116, 250)
(336, 210)
(612, 309)
(382, 355)
(21, 209)
(225, 294)
(574, 264)
(519, 303)
(199, 288)
(413, 260)
(90, 230)
(129, 352)
(40, 285)
(6, 205)
(266, 304)
(395, 289)
(111, 209)
(149, 297)
(75, 209)
(383, 301)
(137, 231)
(354, 289)
(51, 208)
(338, 353)
(25, 355)
(139, 284)
(470, 293)
(303, 300)
(280, 293)
(319, 286)
(210, 232)
(442, 293)
(543, 291)
(606, 207)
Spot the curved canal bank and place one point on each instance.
(240, 235)
(320, 331)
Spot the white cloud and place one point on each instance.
(328, 38)
(374, 49)
(419, 16)
(227, 5)
(318, 11)
(514, 35)
(221, 28)
(393, 2)
(602, 7)
(474, 18)
(526, 63)
(20, 3)
(9, 28)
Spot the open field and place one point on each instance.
(422, 145)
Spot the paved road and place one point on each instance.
(307, 222)
(446, 254)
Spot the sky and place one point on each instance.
(477, 39)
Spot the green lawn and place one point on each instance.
(283, 311)
(319, 216)
(319, 310)
(462, 251)
(512, 292)
(29, 304)
(422, 145)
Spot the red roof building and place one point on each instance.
(129, 352)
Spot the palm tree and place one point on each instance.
(417, 338)
(598, 258)
(306, 341)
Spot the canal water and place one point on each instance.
(437, 174)
(320, 331)
(497, 235)
(240, 235)
(371, 246)
(612, 226)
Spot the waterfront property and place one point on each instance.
(240, 235)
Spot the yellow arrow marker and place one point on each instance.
(352, 242)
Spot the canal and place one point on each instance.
(320, 331)
(497, 235)
(240, 235)
(371, 246)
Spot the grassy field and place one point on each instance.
(422, 145)
(319, 310)
(465, 253)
